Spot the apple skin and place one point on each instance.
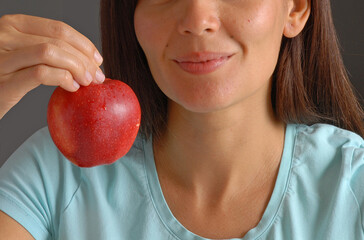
(95, 125)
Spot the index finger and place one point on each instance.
(54, 29)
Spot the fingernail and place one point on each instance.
(88, 76)
(98, 57)
(100, 77)
(76, 85)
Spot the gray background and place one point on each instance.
(29, 114)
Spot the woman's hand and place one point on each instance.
(36, 51)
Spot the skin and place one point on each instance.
(35, 51)
(222, 146)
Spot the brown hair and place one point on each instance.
(310, 82)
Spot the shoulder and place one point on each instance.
(37, 183)
(323, 147)
(331, 155)
(37, 169)
(335, 157)
(327, 143)
(38, 163)
(32, 181)
(38, 151)
(328, 134)
(41, 149)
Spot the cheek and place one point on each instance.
(144, 32)
(150, 33)
(260, 33)
(258, 24)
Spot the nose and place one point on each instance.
(199, 17)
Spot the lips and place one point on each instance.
(202, 62)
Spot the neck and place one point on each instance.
(214, 154)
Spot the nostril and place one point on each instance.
(207, 30)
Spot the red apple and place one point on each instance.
(95, 125)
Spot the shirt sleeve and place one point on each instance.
(32, 185)
(357, 176)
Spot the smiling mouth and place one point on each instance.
(202, 62)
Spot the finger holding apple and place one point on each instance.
(35, 50)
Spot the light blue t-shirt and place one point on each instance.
(319, 192)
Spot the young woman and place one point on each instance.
(250, 128)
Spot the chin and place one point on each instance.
(205, 106)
